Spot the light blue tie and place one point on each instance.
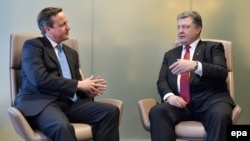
(64, 67)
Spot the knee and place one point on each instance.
(114, 111)
(57, 128)
(155, 111)
(222, 115)
(62, 125)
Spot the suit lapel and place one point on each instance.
(51, 52)
(177, 55)
(198, 53)
(198, 56)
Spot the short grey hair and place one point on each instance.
(44, 17)
(192, 14)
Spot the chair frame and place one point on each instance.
(23, 129)
(181, 128)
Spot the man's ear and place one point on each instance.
(198, 28)
(47, 29)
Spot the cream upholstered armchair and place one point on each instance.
(23, 129)
(193, 130)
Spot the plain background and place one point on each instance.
(124, 41)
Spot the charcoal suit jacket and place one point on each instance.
(211, 87)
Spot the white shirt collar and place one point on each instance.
(52, 42)
(193, 44)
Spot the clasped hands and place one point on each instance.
(92, 86)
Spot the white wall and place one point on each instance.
(124, 41)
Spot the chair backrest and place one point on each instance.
(16, 47)
(229, 57)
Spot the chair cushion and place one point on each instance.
(190, 129)
(82, 131)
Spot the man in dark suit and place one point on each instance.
(48, 98)
(208, 97)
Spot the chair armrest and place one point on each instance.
(83, 131)
(236, 114)
(144, 107)
(22, 127)
(115, 102)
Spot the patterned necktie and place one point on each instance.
(64, 66)
(184, 81)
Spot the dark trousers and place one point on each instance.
(163, 118)
(54, 121)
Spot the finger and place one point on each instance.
(101, 81)
(92, 90)
(176, 70)
(98, 77)
(101, 90)
(98, 92)
(91, 77)
(183, 103)
(100, 85)
(178, 104)
(173, 65)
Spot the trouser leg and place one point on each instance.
(53, 123)
(216, 119)
(163, 118)
(104, 118)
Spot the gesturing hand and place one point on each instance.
(182, 66)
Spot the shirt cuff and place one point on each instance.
(199, 69)
(166, 96)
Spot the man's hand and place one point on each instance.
(101, 85)
(182, 66)
(92, 87)
(176, 101)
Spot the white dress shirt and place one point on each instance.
(198, 71)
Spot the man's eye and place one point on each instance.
(183, 27)
(62, 25)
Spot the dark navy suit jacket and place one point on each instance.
(42, 81)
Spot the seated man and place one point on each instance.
(53, 94)
(192, 85)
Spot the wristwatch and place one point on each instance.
(196, 66)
